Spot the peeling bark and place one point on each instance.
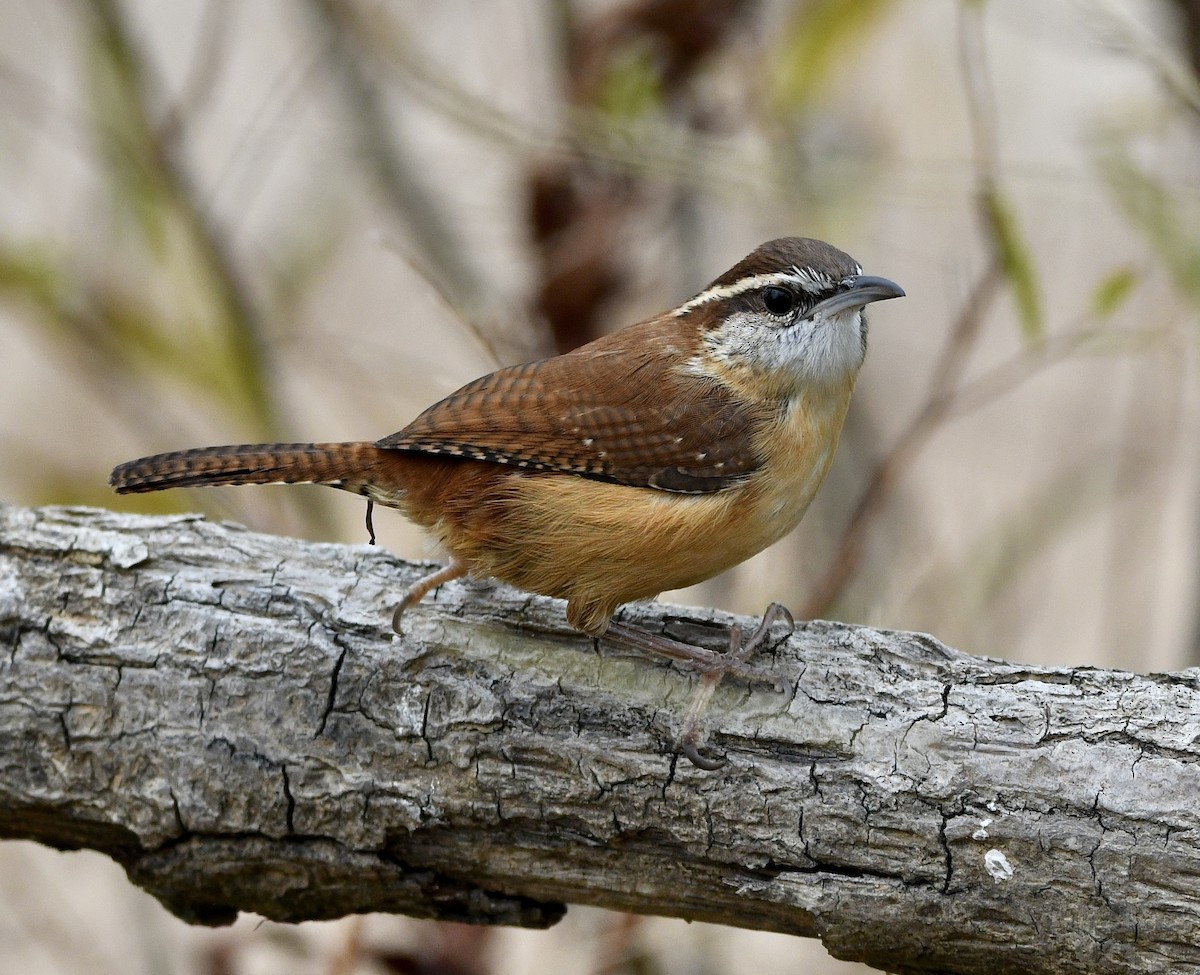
(228, 715)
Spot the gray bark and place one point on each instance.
(229, 716)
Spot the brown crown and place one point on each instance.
(785, 252)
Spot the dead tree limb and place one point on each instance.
(228, 715)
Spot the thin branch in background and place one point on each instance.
(1148, 437)
(907, 447)
(1005, 376)
(350, 953)
(468, 318)
(659, 148)
(207, 63)
(1003, 549)
(446, 250)
(253, 153)
(243, 324)
(1189, 10)
(30, 97)
(578, 211)
(1008, 263)
(996, 213)
(1161, 216)
(977, 88)
(150, 153)
(1114, 20)
(616, 949)
(587, 174)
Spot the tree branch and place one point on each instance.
(228, 715)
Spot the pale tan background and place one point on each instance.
(1056, 523)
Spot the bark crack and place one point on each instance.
(331, 697)
(290, 815)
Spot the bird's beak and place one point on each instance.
(859, 290)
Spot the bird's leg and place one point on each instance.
(689, 737)
(370, 521)
(712, 666)
(417, 591)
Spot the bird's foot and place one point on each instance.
(712, 667)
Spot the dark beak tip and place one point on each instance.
(880, 288)
(858, 292)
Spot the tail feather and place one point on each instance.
(335, 464)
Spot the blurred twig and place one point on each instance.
(396, 175)
(349, 954)
(1162, 213)
(31, 97)
(658, 147)
(899, 458)
(617, 952)
(197, 90)
(1149, 435)
(159, 150)
(1189, 10)
(1007, 545)
(1008, 263)
(642, 59)
(995, 210)
(1117, 22)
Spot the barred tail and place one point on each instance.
(335, 464)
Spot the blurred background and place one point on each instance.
(224, 221)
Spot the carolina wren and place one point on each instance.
(650, 459)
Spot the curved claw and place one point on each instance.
(417, 592)
(707, 764)
(774, 613)
(777, 611)
(396, 616)
(412, 596)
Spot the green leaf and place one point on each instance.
(1113, 291)
(632, 87)
(1152, 208)
(33, 273)
(1015, 260)
(813, 44)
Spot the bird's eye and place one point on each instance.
(778, 301)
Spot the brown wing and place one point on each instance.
(616, 410)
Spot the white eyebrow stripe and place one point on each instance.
(740, 286)
(801, 278)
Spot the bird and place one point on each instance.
(652, 458)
